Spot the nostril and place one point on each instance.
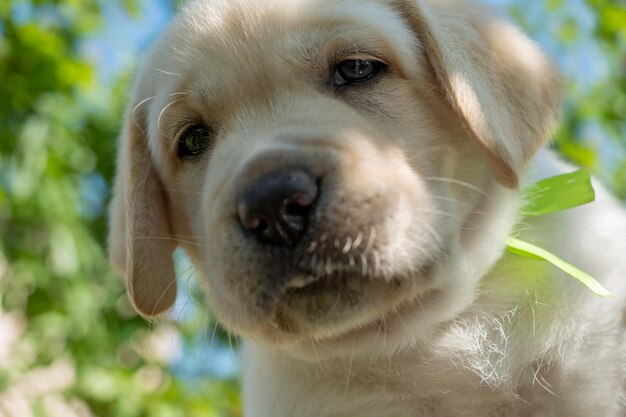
(249, 221)
(256, 225)
(299, 205)
(275, 208)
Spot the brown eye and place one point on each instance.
(356, 71)
(194, 141)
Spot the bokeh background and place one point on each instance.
(70, 344)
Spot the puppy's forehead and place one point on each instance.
(253, 17)
(241, 40)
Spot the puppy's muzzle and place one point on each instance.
(275, 209)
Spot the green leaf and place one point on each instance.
(558, 193)
(528, 250)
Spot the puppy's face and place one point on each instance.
(320, 160)
(284, 114)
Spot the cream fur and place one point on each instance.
(421, 313)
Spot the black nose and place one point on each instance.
(275, 208)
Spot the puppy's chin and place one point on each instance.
(348, 314)
(328, 311)
(401, 313)
(336, 304)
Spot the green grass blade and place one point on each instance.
(519, 247)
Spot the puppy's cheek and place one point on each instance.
(229, 290)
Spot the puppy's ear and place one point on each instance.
(506, 92)
(139, 236)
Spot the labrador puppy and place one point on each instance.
(344, 175)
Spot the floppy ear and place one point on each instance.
(506, 92)
(139, 235)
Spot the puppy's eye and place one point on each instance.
(194, 141)
(356, 71)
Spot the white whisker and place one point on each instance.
(347, 246)
(350, 368)
(171, 103)
(376, 263)
(364, 269)
(443, 213)
(372, 239)
(458, 182)
(133, 113)
(433, 233)
(173, 283)
(317, 357)
(168, 72)
(357, 241)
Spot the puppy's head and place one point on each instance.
(322, 162)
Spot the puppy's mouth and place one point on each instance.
(333, 297)
(313, 302)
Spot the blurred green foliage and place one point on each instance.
(604, 104)
(70, 344)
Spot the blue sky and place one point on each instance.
(122, 39)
